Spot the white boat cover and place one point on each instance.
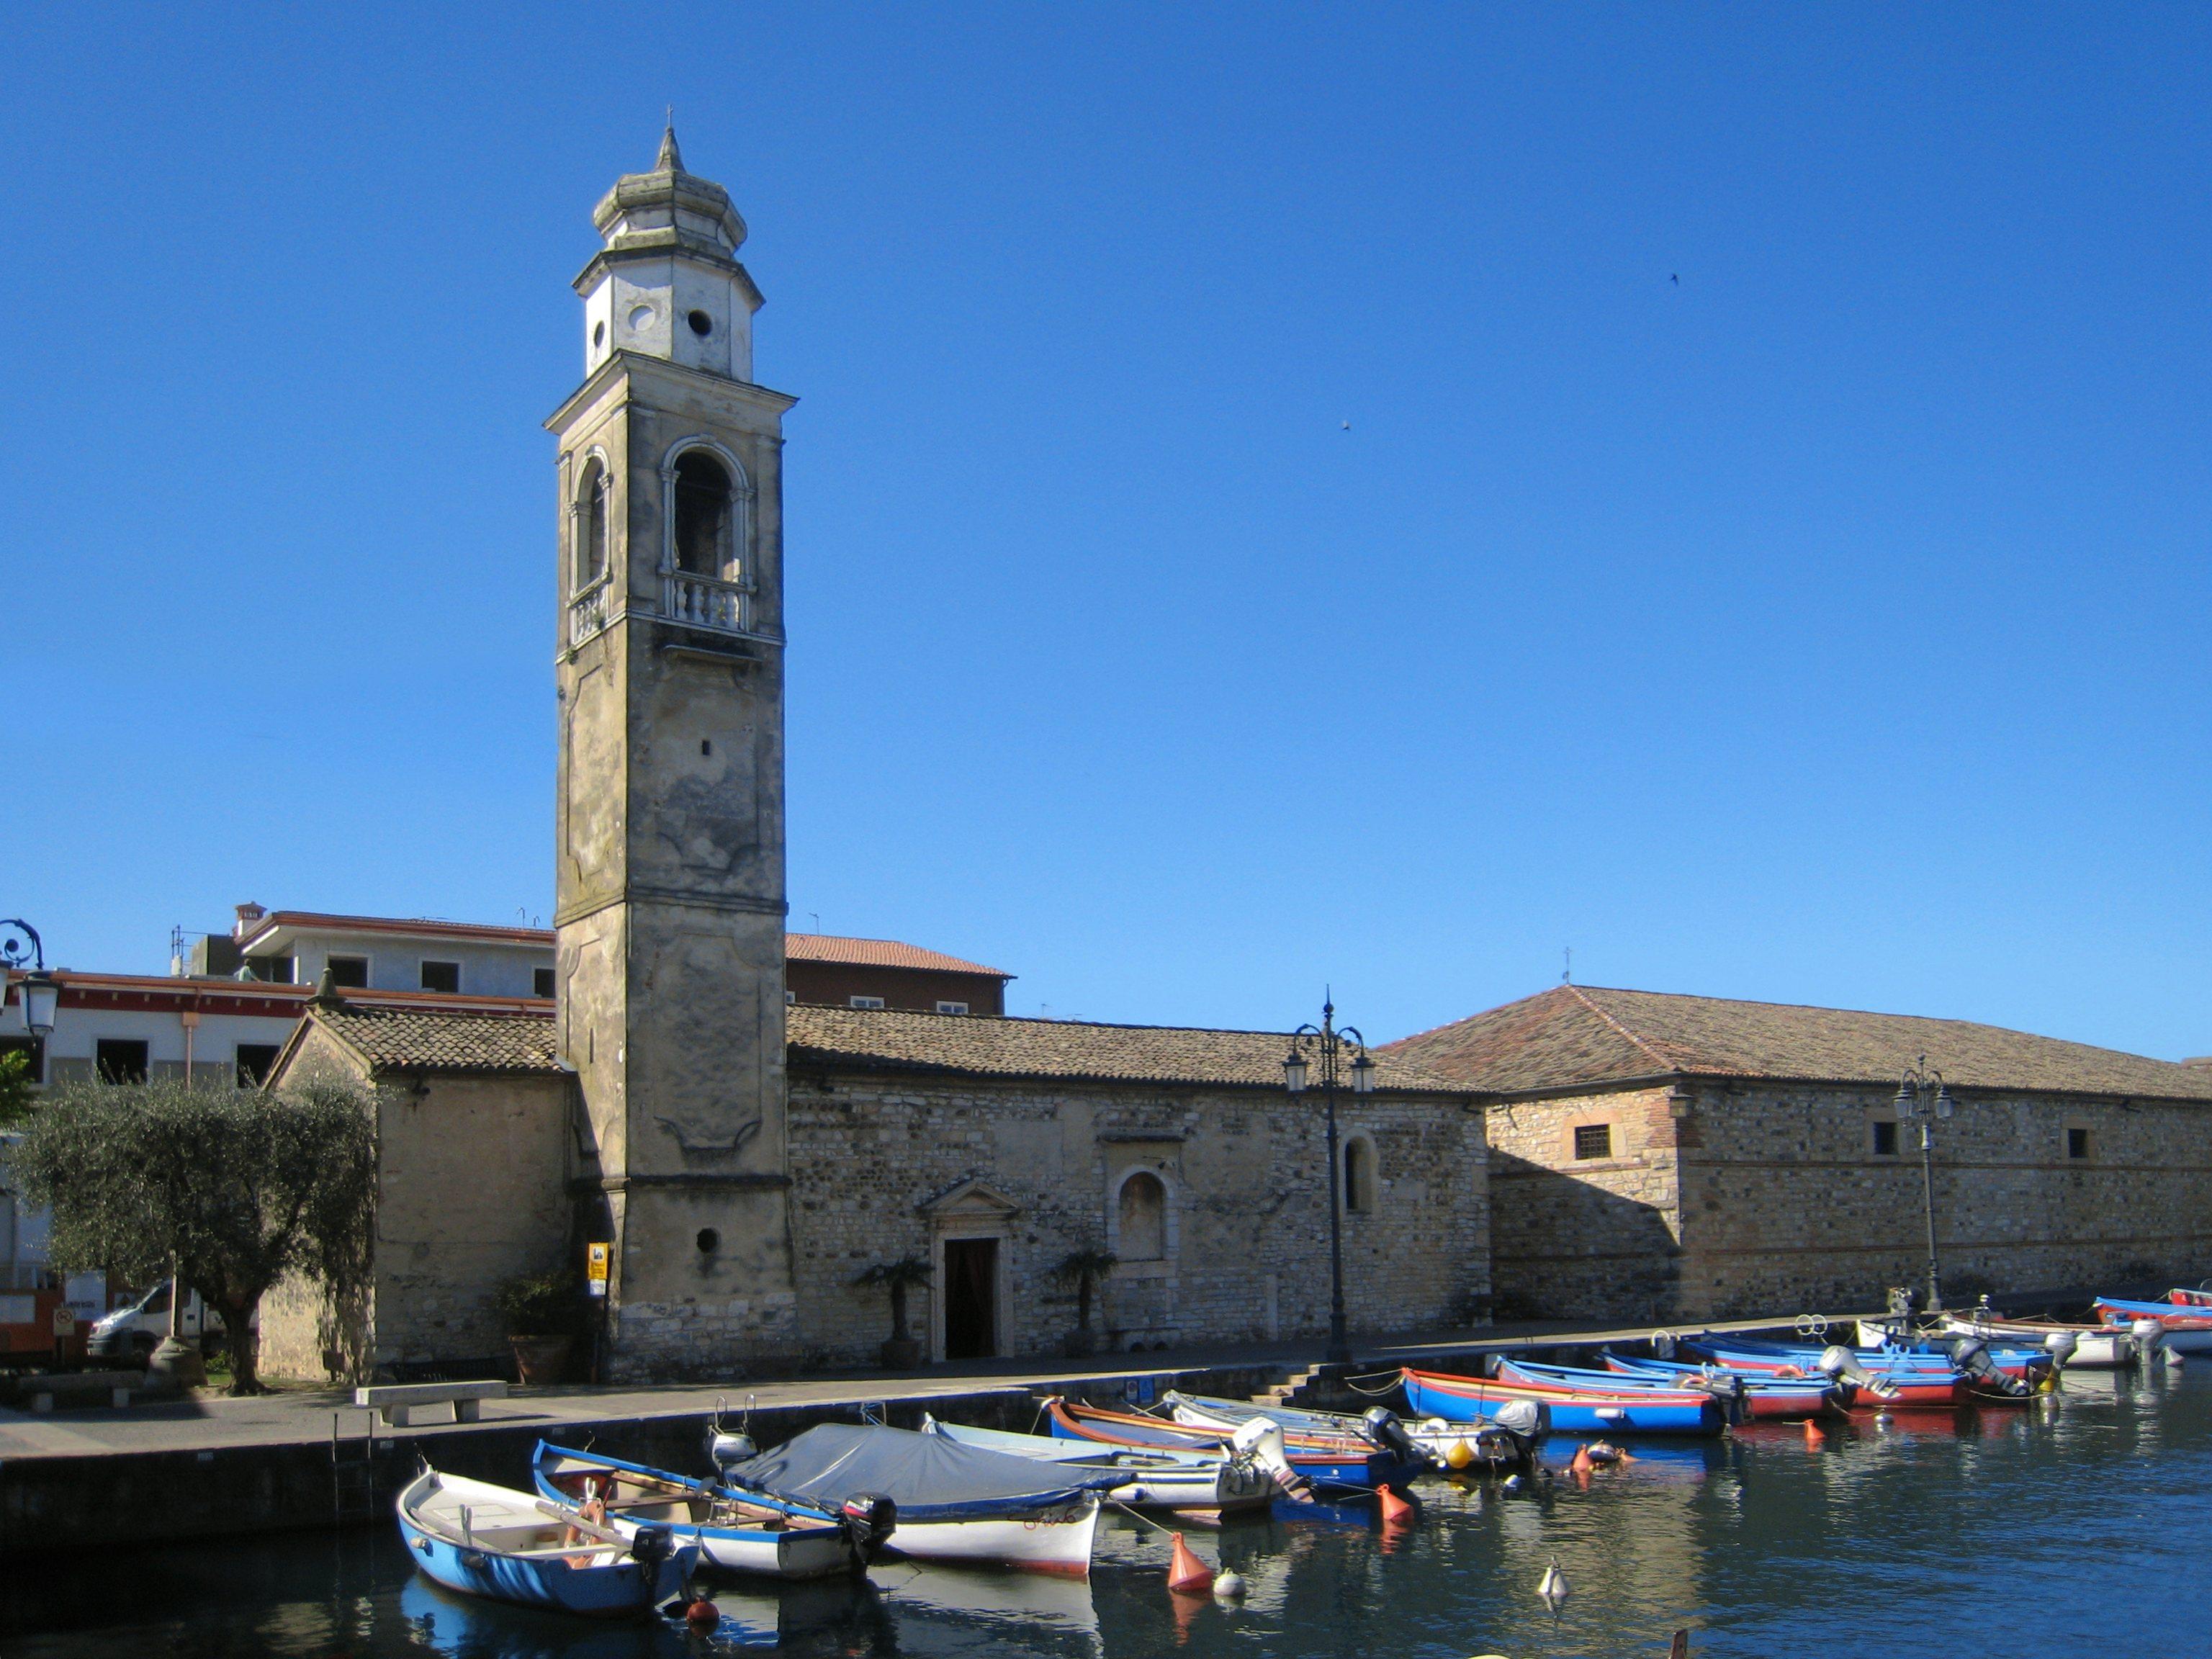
(931, 1477)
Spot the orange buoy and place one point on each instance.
(1186, 1572)
(1813, 1437)
(1583, 1462)
(702, 1614)
(1395, 1510)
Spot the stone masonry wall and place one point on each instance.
(1247, 1234)
(1592, 1237)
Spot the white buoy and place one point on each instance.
(1228, 1585)
(1553, 1586)
(2174, 1356)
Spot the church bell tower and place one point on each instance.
(670, 894)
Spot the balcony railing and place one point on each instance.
(707, 602)
(588, 613)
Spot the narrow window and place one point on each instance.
(254, 1060)
(120, 1060)
(865, 1002)
(951, 1008)
(348, 971)
(1885, 1140)
(2077, 1143)
(703, 515)
(1359, 1176)
(1144, 1217)
(277, 970)
(1593, 1140)
(541, 982)
(442, 976)
(592, 507)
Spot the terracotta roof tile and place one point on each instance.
(877, 953)
(1574, 1034)
(419, 1040)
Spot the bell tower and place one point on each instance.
(670, 894)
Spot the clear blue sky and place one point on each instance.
(1826, 626)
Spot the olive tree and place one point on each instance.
(235, 1187)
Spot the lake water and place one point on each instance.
(2079, 1525)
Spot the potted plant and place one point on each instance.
(1086, 1270)
(901, 1352)
(541, 1312)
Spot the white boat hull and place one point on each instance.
(2095, 1347)
(1056, 1539)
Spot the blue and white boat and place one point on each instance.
(509, 1546)
(793, 1541)
(1573, 1411)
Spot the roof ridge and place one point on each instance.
(1672, 1064)
(1041, 1019)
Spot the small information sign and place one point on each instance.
(595, 1267)
(64, 1320)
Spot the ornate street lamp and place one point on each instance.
(20, 942)
(1918, 1080)
(1328, 1043)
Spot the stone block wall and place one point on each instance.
(1041, 1165)
(1595, 1237)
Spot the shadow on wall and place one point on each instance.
(1566, 1248)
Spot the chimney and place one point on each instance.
(248, 914)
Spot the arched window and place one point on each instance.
(702, 516)
(1144, 1217)
(592, 506)
(1359, 1176)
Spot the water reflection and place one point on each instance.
(1893, 1532)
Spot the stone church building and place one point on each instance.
(747, 1157)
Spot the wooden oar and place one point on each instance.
(590, 1529)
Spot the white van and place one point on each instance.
(130, 1333)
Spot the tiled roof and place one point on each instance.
(319, 922)
(416, 1040)
(979, 1045)
(1574, 1034)
(877, 953)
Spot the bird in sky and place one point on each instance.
(1676, 279)
(1347, 426)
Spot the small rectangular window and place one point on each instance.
(951, 1008)
(254, 1060)
(865, 1002)
(1593, 1140)
(442, 976)
(541, 980)
(2077, 1143)
(352, 972)
(277, 970)
(1885, 1140)
(120, 1060)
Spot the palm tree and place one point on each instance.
(899, 1278)
(1086, 1269)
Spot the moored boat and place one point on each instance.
(1572, 1411)
(1331, 1463)
(1763, 1396)
(790, 1540)
(2094, 1347)
(1377, 1427)
(2184, 1326)
(955, 1503)
(1202, 1483)
(509, 1546)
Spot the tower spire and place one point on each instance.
(671, 159)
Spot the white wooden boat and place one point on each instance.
(509, 1546)
(1192, 1483)
(797, 1542)
(2096, 1347)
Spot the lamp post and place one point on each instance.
(1328, 1043)
(1918, 1080)
(20, 942)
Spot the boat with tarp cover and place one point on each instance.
(1198, 1484)
(955, 1503)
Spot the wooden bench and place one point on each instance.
(397, 1402)
(82, 1388)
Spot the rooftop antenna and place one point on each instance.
(1567, 968)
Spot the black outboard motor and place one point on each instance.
(1387, 1431)
(1727, 1388)
(652, 1545)
(867, 1519)
(1970, 1355)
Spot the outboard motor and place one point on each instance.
(652, 1545)
(2148, 1334)
(2060, 1345)
(1840, 1366)
(867, 1519)
(1387, 1431)
(725, 1450)
(1260, 1440)
(1970, 1355)
(1527, 1420)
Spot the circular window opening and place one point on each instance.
(709, 1240)
(640, 317)
(598, 334)
(701, 324)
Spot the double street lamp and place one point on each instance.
(1329, 1044)
(1924, 1097)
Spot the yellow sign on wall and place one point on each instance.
(595, 1266)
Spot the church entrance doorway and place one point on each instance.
(971, 1298)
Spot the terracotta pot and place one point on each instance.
(901, 1353)
(540, 1358)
